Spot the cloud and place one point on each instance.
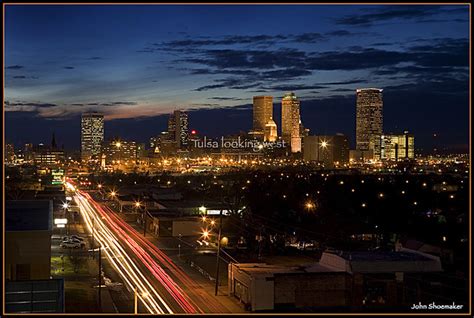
(295, 87)
(226, 98)
(14, 67)
(26, 107)
(25, 77)
(417, 13)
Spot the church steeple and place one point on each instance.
(53, 142)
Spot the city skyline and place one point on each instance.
(134, 80)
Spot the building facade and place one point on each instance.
(270, 132)
(291, 121)
(369, 120)
(120, 152)
(92, 135)
(398, 146)
(328, 150)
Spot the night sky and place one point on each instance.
(138, 63)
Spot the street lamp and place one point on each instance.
(324, 144)
(310, 205)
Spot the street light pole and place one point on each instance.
(218, 252)
(136, 300)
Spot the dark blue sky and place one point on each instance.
(136, 63)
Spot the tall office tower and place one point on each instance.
(270, 132)
(262, 112)
(290, 121)
(182, 133)
(369, 120)
(399, 146)
(92, 135)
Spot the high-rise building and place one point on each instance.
(92, 135)
(182, 133)
(369, 120)
(290, 121)
(178, 132)
(262, 112)
(399, 146)
(329, 150)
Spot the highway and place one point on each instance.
(161, 286)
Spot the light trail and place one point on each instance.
(210, 302)
(110, 232)
(126, 267)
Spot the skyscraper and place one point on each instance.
(290, 121)
(262, 112)
(369, 120)
(92, 135)
(178, 129)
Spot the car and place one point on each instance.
(70, 244)
(73, 237)
(77, 237)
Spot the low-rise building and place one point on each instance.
(339, 281)
(28, 230)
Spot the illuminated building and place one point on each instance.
(369, 120)
(262, 114)
(291, 121)
(270, 132)
(92, 135)
(44, 155)
(120, 152)
(400, 146)
(178, 130)
(329, 150)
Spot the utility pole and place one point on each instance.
(93, 238)
(100, 278)
(218, 252)
(144, 221)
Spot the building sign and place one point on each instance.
(58, 175)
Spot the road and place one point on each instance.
(162, 287)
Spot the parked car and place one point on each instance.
(73, 237)
(77, 237)
(71, 244)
